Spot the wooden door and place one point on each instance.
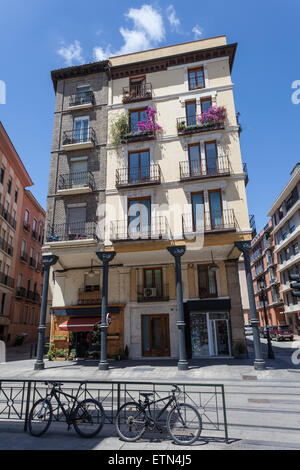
(155, 335)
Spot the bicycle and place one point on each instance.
(86, 416)
(184, 423)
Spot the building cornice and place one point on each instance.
(78, 70)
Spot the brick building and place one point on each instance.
(15, 199)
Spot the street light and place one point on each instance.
(262, 296)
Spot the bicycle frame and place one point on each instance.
(148, 403)
(55, 393)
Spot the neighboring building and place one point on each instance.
(264, 267)
(285, 215)
(161, 187)
(16, 318)
(29, 277)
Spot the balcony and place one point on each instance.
(30, 295)
(84, 99)
(137, 136)
(5, 246)
(23, 257)
(6, 216)
(76, 183)
(192, 125)
(79, 139)
(6, 280)
(194, 170)
(138, 92)
(89, 295)
(26, 226)
(224, 221)
(72, 231)
(138, 176)
(156, 294)
(21, 292)
(122, 231)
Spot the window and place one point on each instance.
(198, 211)
(139, 217)
(137, 86)
(26, 217)
(16, 195)
(34, 224)
(2, 175)
(136, 116)
(3, 301)
(138, 166)
(206, 104)
(153, 280)
(207, 282)
(196, 78)
(291, 199)
(190, 108)
(81, 129)
(211, 155)
(216, 212)
(83, 94)
(9, 184)
(194, 159)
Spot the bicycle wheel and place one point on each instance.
(88, 418)
(131, 421)
(184, 424)
(40, 417)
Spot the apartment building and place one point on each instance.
(160, 141)
(286, 227)
(264, 267)
(29, 276)
(16, 319)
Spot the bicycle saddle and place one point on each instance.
(146, 394)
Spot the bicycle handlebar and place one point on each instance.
(176, 389)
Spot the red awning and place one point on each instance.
(79, 324)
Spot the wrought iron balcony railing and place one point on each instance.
(23, 256)
(72, 231)
(138, 92)
(196, 170)
(89, 295)
(81, 98)
(193, 125)
(6, 280)
(158, 229)
(5, 246)
(138, 176)
(30, 295)
(79, 136)
(82, 179)
(215, 221)
(8, 217)
(137, 136)
(154, 294)
(21, 292)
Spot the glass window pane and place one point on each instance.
(216, 209)
(194, 153)
(198, 211)
(205, 105)
(191, 114)
(211, 158)
(134, 119)
(146, 334)
(200, 78)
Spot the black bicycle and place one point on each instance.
(183, 421)
(87, 416)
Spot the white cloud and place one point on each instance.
(71, 53)
(197, 31)
(173, 20)
(147, 31)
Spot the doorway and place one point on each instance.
(210, 334)
(155, 335)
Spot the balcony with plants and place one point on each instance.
(82, 99)
(213, 119)
(137, 92)
(124, 132)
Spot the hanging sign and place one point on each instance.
(108, 319)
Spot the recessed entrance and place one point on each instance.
(155, 335)
(210, 334)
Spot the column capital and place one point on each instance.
(176, 251)
(49, 260)
(244, 247)
(106, 256)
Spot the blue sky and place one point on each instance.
(37, 36)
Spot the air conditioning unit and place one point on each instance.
(149, 292)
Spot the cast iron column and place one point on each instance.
(270, 350)
(47, 261)
(245, 248)
(177, 252)
(105, 257)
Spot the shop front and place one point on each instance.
(208, 331)
(75, 331)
